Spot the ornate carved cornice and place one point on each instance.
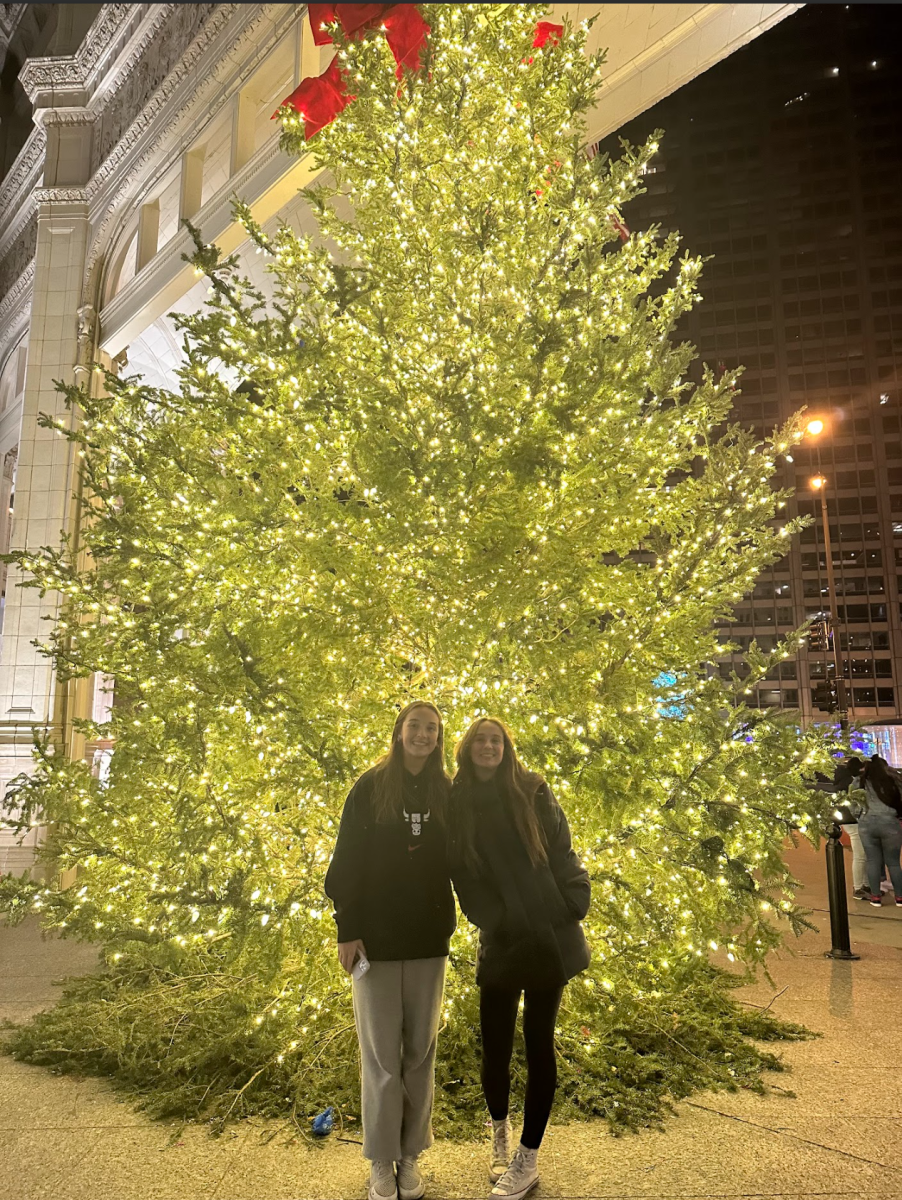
(42, 74)
(107, 76)
(67, 116)
(15, 262)
(17, 187)
(134, 82)
(26, 162)
(153, 138)
(16, 304)
(61, 195)
(79, 72)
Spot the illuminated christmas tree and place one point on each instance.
(459, 456)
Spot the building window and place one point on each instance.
(855, 614)
(861, 666)
(864, 641)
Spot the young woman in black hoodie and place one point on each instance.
(519, 880)
(394, 908)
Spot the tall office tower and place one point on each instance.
(785, 163)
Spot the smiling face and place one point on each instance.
(419, 735)
(487, 749)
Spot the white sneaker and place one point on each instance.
(520, 1177)
(885, 886)
(410, 1181)
(502, 1148)
(383, 1185)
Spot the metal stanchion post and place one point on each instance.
(840, 947)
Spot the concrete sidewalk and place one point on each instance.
(73, 1139)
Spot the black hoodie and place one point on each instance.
(389, 880)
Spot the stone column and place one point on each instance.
(46, 476)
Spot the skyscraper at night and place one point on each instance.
(784, 162)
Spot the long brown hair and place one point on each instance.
(388, 792)
(877, 774)
(517, 785)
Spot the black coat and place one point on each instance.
(528, 916)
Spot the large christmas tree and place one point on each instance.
(458, 456)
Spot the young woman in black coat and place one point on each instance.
(520, 882)
(394, 908)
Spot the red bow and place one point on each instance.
(620, 228)
(404, 26)
(319, 98)
(545, 30)
(351, 17)
(406, 33)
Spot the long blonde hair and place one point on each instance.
(517, 784)
(388, 792)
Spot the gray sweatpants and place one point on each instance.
(397, 1006)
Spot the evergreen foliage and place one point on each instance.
(465, 462)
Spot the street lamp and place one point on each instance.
(819, 484)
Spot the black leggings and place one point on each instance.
(498, 1018)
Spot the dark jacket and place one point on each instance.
(389, 880)
(528, 916)
(845, 777)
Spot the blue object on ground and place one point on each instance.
(324, 1123)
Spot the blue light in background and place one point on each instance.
(667, 679)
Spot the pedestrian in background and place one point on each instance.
(846, 779)
(879, 828)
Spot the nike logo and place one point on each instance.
(415, 846)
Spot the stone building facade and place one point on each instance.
(117, 122)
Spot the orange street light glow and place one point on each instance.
(818, 482)
(815, 427)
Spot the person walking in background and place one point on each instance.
(878, 825)
(520, 882)
(394, 909)
(848, 778)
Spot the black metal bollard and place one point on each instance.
(840, 946)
